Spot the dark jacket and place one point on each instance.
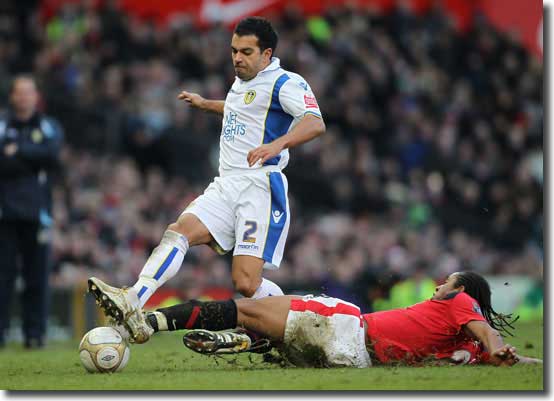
(25, 192)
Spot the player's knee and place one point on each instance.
(177, 227)
(190, 227)
(180, 225)
(245, 285)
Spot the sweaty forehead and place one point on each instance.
(24, 83)
(244, 42)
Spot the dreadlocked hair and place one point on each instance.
(478, 288)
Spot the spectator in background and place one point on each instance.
(29, 146)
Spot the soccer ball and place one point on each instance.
(104, 350)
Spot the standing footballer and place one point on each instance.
(267, 111)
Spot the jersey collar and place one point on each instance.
(274, 65)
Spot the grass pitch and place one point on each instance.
(165, 364)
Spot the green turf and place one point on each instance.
(164, 364)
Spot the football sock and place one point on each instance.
(267, 289)
(164, 262)
(157, 321)
(212, 315)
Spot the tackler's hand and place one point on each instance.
(505, 356)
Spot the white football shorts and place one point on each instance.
(325, 332)
(247, 212)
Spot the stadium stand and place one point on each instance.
(432, 160)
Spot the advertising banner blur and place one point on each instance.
(522, 19)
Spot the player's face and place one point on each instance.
(248, 59)
(448, 287)
(24, 96)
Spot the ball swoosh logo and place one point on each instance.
(217, 11)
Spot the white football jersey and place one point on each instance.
(259, 111)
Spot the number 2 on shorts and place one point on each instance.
(252, 227)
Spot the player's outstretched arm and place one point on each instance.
(307, 129)
(527, 359)
(195, 100)
(509, 356)
(500, 354)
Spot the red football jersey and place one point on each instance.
(428, 329)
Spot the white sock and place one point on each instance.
(267, 289)
(164, 263)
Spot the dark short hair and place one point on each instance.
(262, 29)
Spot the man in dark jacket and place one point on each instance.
(29, 146)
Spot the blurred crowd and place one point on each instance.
(432, 161)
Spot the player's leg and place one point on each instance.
(247, 278)
(266, 316)
(167, 258)
(261, 323)
(125, 304)
(35, 295)
(207, 218)
(8, 257)
(261, 231)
